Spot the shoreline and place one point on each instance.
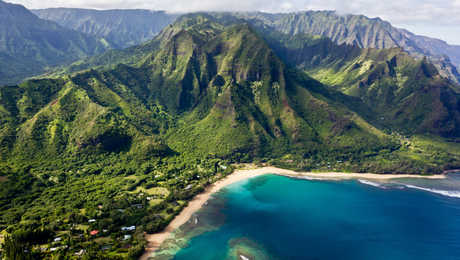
(154, 241)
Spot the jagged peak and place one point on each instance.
(10, 9)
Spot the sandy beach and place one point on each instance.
(155, 240)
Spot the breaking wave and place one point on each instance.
(448, 193)
(370, 183)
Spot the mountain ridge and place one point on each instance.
(381, 78)
(364, 32)
(122, 27)
(323, 54)
(357, 30)
(129, 142)
(197, 75)
(30, 45)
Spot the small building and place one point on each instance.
(131, 228)
(80, 253)
(127, 237)
(94, 232)
(91, 221)
(58, 239)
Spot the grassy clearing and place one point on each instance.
(132, 177)
(158, 194)
(82, 227)
(103, 240)
(436, 142)
(156, 191)
(154, 202)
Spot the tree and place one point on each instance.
(14, 250)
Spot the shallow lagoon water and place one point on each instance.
(276, 217)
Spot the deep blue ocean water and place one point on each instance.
(275, 217)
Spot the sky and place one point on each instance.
(435, 18)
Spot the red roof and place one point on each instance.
(94, 232)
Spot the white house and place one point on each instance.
(131, 228)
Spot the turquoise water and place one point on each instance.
(275, 217)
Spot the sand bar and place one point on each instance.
(155, 240)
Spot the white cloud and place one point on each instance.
(410, 13)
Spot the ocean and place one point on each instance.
(276, 217)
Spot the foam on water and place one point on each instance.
(399, 185)
(448, 193)
(373, 184)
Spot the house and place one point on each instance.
(79, 253)
(94, 232)
(91, 221)
(131, 228)
(127, 237)
(58, 239)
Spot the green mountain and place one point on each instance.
(229, 89)
(436, 46)
(403, 93)
(122, 28)
(30, 45)
(384, 80)
(130, 141)
(364, 32)
(127, 27)
(357, 30)
(223, 89)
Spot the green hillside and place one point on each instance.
(403, 93)
(363, 32)
(131, 140)
(30, 45)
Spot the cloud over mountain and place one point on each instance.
(437, 18)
